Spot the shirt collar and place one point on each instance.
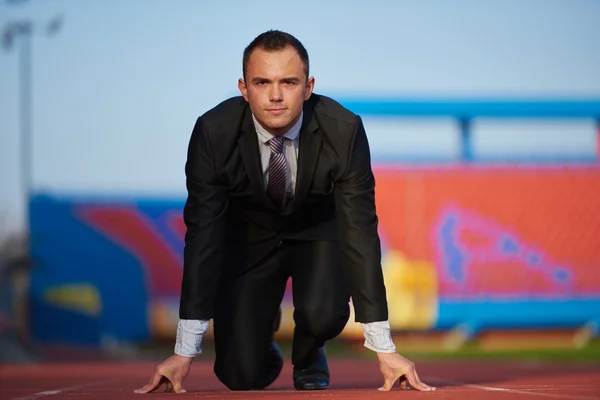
(264, 136)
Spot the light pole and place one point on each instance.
(20, 32)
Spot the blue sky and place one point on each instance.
(117, 90)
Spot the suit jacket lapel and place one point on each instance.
(248, 145)
(309, 148)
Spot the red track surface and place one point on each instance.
(351, 379)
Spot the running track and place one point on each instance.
(351, 379)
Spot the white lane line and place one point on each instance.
(499, 389)
(65, 389)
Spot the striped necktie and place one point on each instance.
(276, 170)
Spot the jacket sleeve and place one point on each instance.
(204, 216)
(357, 231)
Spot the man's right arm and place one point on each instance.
(204, 216)
(189, 337)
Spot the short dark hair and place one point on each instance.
(274, 40)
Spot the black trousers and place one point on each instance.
(247, 305)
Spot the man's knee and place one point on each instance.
(238, 375)
(239, 382)
(236, 378)
(326, 324)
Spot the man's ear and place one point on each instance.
(310, 85)
(243, 88)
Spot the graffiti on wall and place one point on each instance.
(486, 246)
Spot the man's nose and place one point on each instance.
(275, 93)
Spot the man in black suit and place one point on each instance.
(279, 184)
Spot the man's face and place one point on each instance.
(276, 88)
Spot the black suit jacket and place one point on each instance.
(232, 224)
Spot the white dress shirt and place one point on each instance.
(190, 332)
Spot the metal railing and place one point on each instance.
(465, 111)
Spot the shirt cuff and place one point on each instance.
(378, 337)
(189, 337)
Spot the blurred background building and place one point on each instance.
(483, 120)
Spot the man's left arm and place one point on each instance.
(357, 231)
(361, 257)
